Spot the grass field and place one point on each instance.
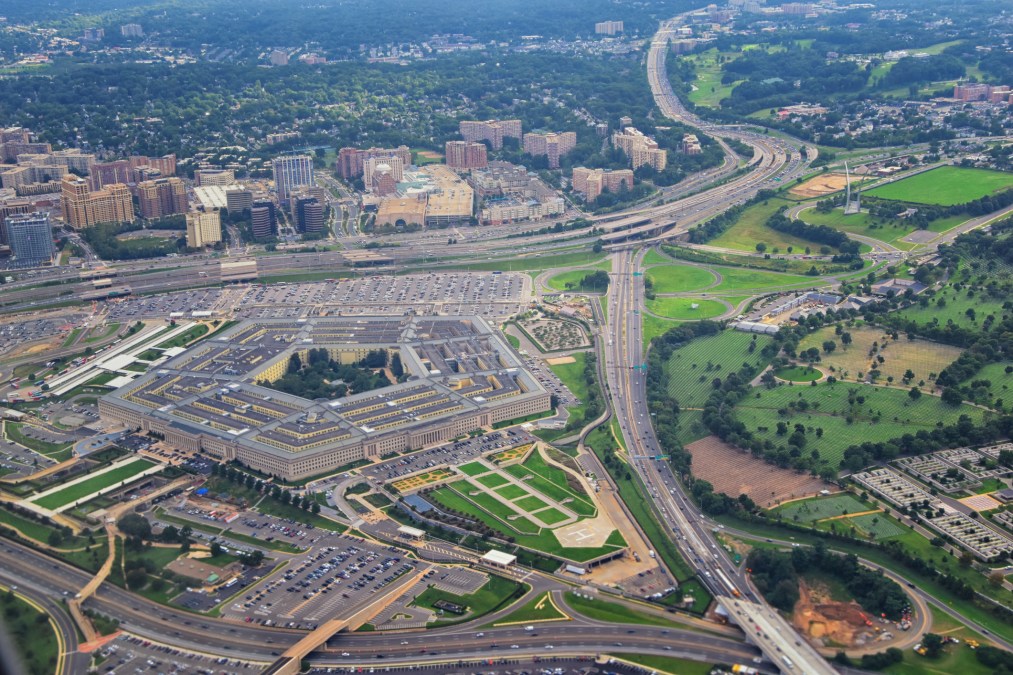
(539, 608)
(686, 309)
(58, 451)
(613, 612)
(799, 373)
(573, 278)
(679, 278)
(883, 414)
(552, 482)
(652, 257)
(510, 491)
(925, 359)
(32, 634)
(496, 593)
(863, 224)
(878, 525)
(954, 307)
(818, 508)
(945, 186)
(668, 664)
(709, 90)
(572, 375)
(72, 493)
(492, 480)
(741, 279)
(1000, 380)
(691, 370)
(472, 469)
(750, 229)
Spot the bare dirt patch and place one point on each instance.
(560, 360)
(735, 472)
(820, 185)
(829, 622)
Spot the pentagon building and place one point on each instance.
(461, 376)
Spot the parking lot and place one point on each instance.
(463, 293)
(131, 654)
(19, 461)
(460, 452)
(24, 330)
(339, 574)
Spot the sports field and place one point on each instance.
(874, 414)
(73, 493)
(679, 278)
(683, 309)
(945, 186)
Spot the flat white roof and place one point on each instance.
(118, 362)
(499, 558)
(174, 351)
(121, 381)
(411, 532)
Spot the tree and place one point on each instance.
(952, 397)
(829, 346)
(216, 549)
(135, 525)
(915, 393)
(845, 338)
(761, 247)
(933, 645)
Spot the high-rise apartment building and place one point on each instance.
(162, 197)
(278, 58)
(203, 228)
(264, 219)
(9, 208)
(608, 27)
(291, 172)
(107, 173)
(131, 30)
(309, 214)
(352, 161)
(551, 144)
(641, 149)
(493, 131)
(592, 182)
(83, 207)
(222, 177)
(466, 155)
(30, 237)
(690, 144)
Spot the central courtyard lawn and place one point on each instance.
(945, 186)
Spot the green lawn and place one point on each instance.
(530, 503)
(999, 381)
(883, 414)
(496, 593)
(653, 326)
(71, 336)
(551, 516)
(652, 257)
(473, 469)
(571, 281)
(890, 231)
(15, 433)
(818, 508)
(103, 333)
(878, 525)
(492, 480)
(798, 373)
(511, 491)
(709, 90)
(954, 307)
(613, 612)
(536, 609)
(533, 262)
(945, 186)
(72, 493)
(31, 633)
(669, 664)
(679, 278)
(552, 482)
(686, 309)
(751, 229)
(572, 375)
(742, 279)
(186, 337)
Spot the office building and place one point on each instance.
(237, 418)
(551, 145)
(308, 214)
(203, 228)
(131, 30)
(162, 197)
(238, 199)
(641, 149)
(592, 182)
(12, 207)
(493, 131)
(393, 164)
(264, 219)
(279, 58)
(608, 27)
(351, 162)
(30, 237)
(466, 155)
(291, 172)
(83, 207)
(220, 177)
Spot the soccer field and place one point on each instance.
(945, 186)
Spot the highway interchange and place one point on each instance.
(43, 579)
